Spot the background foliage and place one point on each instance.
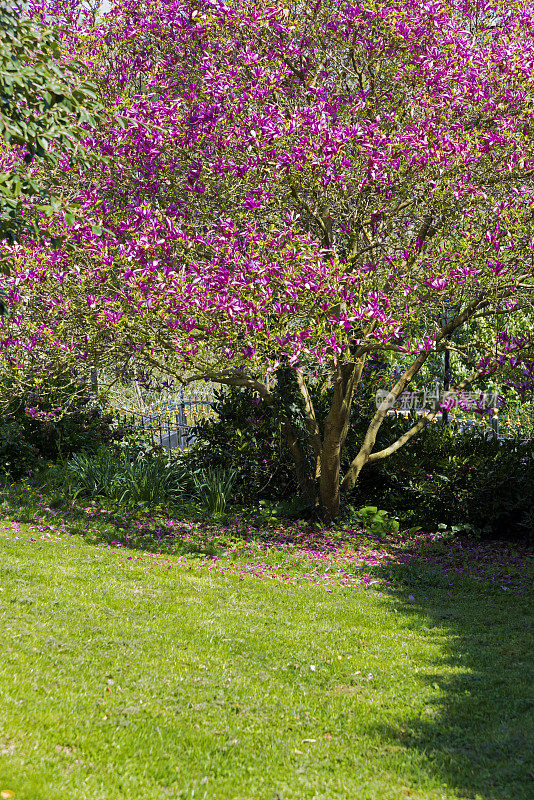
(46, 108)
(65, 421)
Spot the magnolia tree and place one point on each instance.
(301, 186)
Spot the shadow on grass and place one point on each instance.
(477, 733)
(181, 530)
(117, 527)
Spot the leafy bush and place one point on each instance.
(244, 439)
(376, 522)
(137, 444)
(17, 456)
(118, 477)
(462, 480)
(63, 423)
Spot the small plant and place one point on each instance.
(150, 480)
(118, 476)
(376, 522)
(450, 532)
(94, 473)
(214, 488)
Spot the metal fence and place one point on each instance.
(170, 426)
(512, 426)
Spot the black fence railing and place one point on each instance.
(171, 427)
(507, 427)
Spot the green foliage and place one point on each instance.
(214, 488)
(137, 443)
(462, 480)
(247, 438)
(42, 101)
(121, 477)
(93, 473)
(17, 455)
(66, 421)
(375, 522)
(151, 481)
(244, 439)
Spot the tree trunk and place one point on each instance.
(335, 432)
(330, 470)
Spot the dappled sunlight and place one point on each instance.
(289, 552)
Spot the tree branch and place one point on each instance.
(243, 381)
(311, 421)
(364, 453)
(392, 448)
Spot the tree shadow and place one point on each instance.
(183, 530)
(474, 728)
(476, 731)
(116, 527)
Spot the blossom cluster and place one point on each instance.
(287, 186)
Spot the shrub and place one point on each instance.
(244, 439)
(463, 480)
(67, 421)
(17, 456)
(137, 444)
(124, 479)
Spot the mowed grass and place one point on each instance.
(144, 677)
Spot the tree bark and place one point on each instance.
(335, 432)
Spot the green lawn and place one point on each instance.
(128, 674)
